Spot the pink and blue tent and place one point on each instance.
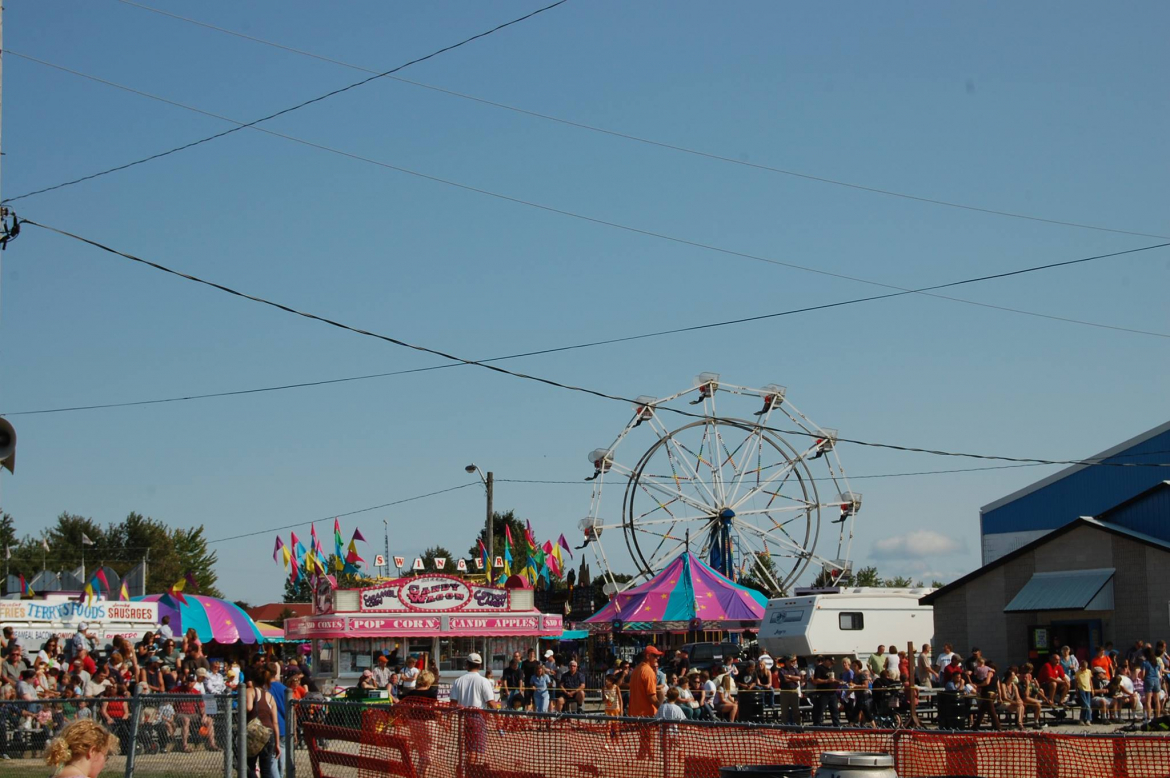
(686, 595)
(213, 618)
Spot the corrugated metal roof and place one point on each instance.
(1069, 590)
(1120, 448)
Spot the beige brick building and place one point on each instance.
(1083, 584)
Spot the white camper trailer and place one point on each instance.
(846, 622)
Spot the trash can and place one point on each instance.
(766, 771)
(856, 764)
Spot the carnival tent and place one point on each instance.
(274, 634)
(213, 618)
(686, 595)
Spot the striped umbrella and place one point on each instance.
(213, 618)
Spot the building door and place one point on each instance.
(1082, 636)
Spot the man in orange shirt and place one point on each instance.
(645, 697)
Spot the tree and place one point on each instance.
(8, 537)
(173, 552)
(898, 582)
(428, 558)
(755, 578)
(936, 584)
(501, 522)
(600, 598)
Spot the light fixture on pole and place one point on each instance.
(490, 539)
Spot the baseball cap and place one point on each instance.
(549, 654)
(475, 658)
(201, 672)
(82, 627)
(653, 651)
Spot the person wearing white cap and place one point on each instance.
(472, 690)
(79, 641)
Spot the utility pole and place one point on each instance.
(490, 529)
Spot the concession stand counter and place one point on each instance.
(438, 619)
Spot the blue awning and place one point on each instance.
(1066, 590)
(574, 634)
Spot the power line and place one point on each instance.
(296, 107)
(548, 381)
(582, 482)
(343, 515)
(591, 219)
(591, 344)
(650, 141)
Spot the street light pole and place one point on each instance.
(488, 482)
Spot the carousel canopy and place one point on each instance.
(213, 618)
(686, 595)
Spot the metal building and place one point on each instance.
(1084, 490)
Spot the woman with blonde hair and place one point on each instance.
(417, 706)
(80, 750)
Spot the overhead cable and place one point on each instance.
(650, 141)
(343, 515)
(290, 109)
(540, 379)
(591, 344)
(596, 220)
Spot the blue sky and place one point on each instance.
(1052, 109)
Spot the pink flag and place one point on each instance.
(276, 550)
(565, 544)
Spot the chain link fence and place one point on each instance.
(157, 734)
(197, 736)
(354, 740)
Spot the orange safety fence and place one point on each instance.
(437, 741)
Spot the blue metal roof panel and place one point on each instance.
(1084, 490)
(1067, 590)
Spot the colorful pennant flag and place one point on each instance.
(279, 547)
(565, 545)
(176, 591)
(124, 593)
(357, 535)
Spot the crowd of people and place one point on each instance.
(888, 688)
(43, 689)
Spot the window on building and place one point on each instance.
(453, 652)
(851, 620)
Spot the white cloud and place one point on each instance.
(917, 544)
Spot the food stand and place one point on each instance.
(438, 619)
(34, 621)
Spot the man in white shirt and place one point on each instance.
(944, 658)
(472, 690)
(215, 683)
(164, 629)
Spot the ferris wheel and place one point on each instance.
(749, 498)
